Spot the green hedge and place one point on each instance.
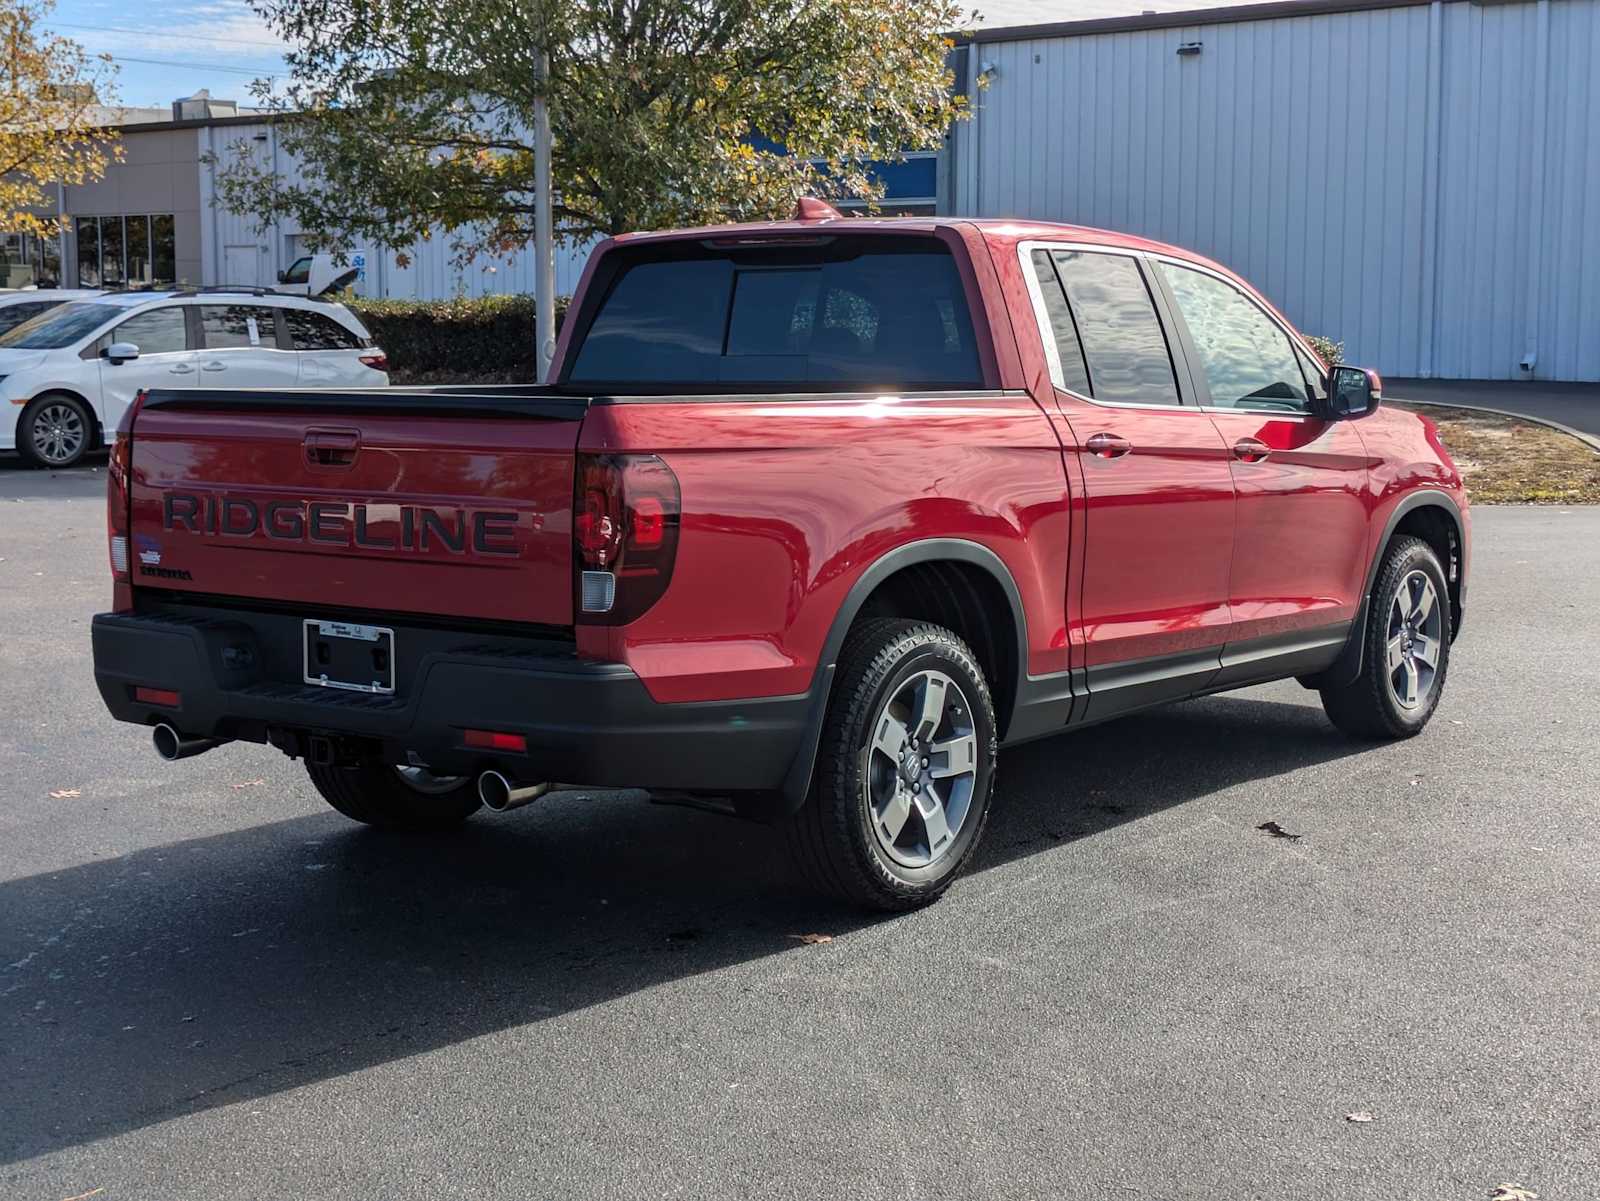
(481, 338)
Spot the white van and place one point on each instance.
(316, 275)
(68, 374)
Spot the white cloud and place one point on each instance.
(219, 31)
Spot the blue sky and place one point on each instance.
(172, 48)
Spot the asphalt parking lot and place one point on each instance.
(213, 986)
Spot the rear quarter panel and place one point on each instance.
(786, 502)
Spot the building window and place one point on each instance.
(113, 253)
(27, 260)
(162, 254)
(138, 237)
(88, 252)
(135, 251)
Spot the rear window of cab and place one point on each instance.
(830, 314)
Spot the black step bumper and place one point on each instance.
(586, 723)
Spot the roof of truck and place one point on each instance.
(1004, 230)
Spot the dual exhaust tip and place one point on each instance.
(499, 793)
(172, 746)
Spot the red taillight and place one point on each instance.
(119, 508)
(164, 697)
(377, 360)
(626, 510)
(493, 740)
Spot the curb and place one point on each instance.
(1589, 440)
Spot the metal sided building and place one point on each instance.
(1419, 180)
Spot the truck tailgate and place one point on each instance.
(389, 501)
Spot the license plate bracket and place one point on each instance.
(342, 654)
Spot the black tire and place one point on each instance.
(1369, 707)
(377, 795)
(56, 403)
(832, 839)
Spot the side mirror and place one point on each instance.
(120, 352)
(283, 277)
(1353, 392)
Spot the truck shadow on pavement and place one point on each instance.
(207, 972)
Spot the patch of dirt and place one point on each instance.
(1507, 461)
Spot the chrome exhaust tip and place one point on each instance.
(501, 795)
(172, 746)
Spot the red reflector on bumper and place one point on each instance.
(158, 696)
(489, 740)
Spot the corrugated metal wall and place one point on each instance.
(431, 274)
(1421, 182)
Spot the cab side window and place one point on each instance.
(1108, 304)
(1248, 361)
(299, 271)
(159, 331)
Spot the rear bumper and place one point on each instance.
(586, 723)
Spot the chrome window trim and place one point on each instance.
(1295, 340)
(1047, 333)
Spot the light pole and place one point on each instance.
(544, 272)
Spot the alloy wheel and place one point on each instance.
(1414, 640)
(58, 433)
(922, 769)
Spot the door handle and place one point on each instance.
(1107, 446)
(332, 447)
(181, 369)
(214, 366)
(1251, 450)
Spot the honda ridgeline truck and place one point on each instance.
(812, 518)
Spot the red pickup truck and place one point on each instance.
(813, 518)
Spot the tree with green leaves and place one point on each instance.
(412, 116)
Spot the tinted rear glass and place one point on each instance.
(852, 314)
(314, 331)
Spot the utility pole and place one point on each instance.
(544, 271)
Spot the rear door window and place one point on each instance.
(1124, 348)
(238, 325)
(855, 313)
(317, 331)
(1063, 331)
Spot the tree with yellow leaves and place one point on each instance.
(51, 92)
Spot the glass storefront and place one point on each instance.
(134, 251)
(27, 260)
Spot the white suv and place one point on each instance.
(68, 375)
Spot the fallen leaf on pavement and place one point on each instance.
(247, 784)
(812, 940)
(1277, 831)
(1513, 1192)
(63, 794)
(1359, 1115)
